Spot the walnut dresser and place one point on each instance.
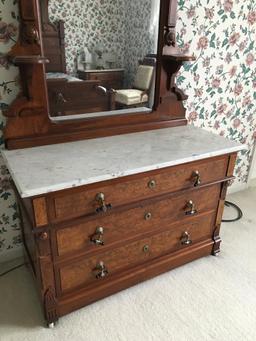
(104, 214)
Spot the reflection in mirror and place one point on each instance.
(98, 55)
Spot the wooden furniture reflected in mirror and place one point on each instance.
(68, 95)
(108, 78)
(28, 118)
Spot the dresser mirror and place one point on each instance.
(94, 68)
(101, 56)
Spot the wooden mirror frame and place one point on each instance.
(28, 123)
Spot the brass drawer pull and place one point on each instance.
(148, 216)
(190, 208)
(196, 178)
(185, 239)
(101, 269)
(97, 238)
(152, 184)
(146, 248)
(100, 198)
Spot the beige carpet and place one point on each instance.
(210, 299)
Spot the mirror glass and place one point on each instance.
(101, 56)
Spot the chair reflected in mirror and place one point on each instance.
(140, 95)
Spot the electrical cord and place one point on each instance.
(6, 272)
(238, 209)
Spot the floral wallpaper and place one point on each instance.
(10, 238)
(221, 84)
(120, 27)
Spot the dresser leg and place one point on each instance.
(50, 308)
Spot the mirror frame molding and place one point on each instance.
(28, 123)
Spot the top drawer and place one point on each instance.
(87, 200)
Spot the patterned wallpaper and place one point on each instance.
(121, 27)
(10, 239)
(221, 84)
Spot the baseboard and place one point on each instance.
(9, 255)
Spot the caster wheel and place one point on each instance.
(51, 325)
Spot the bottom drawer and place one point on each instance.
(100, 267)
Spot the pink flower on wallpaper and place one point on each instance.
(242, 46)
(254, 83)
(7, 32)
(216, 83)
(217, 125)
(199, 92)
(246, 101)
(254, 135)
(202, 43)
(236, 123)
(191, 12)
(209, 13)
(228, 5)
(251, 17)
(206, 62)
(232, 71)
(193, 116)
(238, 89)
(234, 38)
(249, 59)
(228, 58)
(196, 78)
(222, 108)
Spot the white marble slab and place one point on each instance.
(45, 169)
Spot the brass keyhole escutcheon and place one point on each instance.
(148, 216)
(43, 236)
(152, 184)
(146, 248)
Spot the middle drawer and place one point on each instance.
(98, 233)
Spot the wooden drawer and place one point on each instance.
(116, 227)
(82, 201)
(85, 271)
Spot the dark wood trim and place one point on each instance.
(28, 121)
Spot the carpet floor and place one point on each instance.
(213, 298)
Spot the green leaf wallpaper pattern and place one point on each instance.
(221, 84)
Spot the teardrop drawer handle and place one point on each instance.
(190, 208)
(101, 270)
(100, 198)
(196, 178)
(185, 239)
(97, 237)
(152, 184)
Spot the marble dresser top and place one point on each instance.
(45, 169)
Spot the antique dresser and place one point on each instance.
(110, 200)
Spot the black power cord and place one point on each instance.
(238, 209)
(16, 267)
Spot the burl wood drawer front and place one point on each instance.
(85, 200)
(100, 267)
(99, 233)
